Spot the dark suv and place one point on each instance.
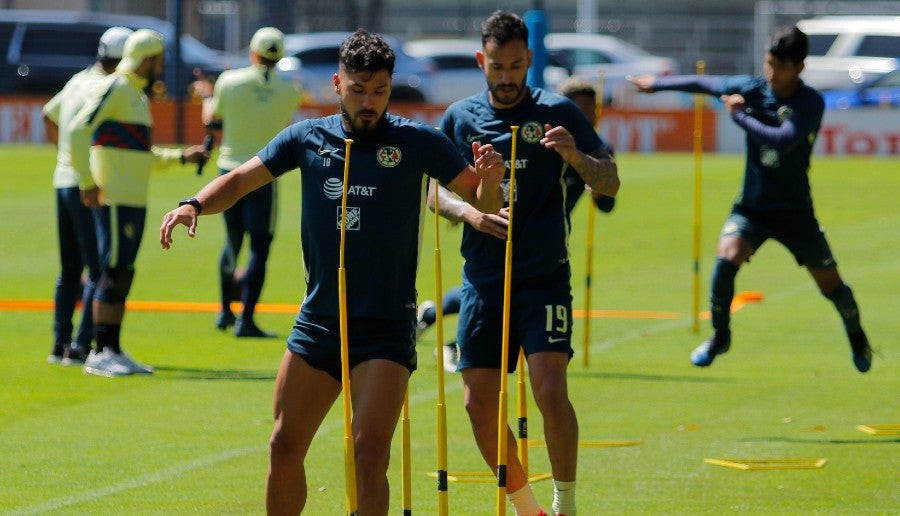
(41, 49)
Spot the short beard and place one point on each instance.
(361, 130)
(497, 98)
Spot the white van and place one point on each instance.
(846, 51)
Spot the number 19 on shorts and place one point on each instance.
(557, 318)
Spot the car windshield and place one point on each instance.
(879, 46)
(820, 43)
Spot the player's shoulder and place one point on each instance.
(469, 104)
(810, 95)
(543, 97)
(234, 76)
(402, 123)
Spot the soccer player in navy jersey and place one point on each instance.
(389, 157)
(554, 136)
(781, 116)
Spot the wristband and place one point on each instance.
(193, 202)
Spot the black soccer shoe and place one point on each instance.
(249, 329)
(862, 353)
(705, 353)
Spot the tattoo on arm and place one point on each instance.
(599, 171)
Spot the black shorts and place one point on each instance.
(317, 339)
(540, 319)
(798, 231)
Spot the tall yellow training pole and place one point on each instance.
(349, 454)
(503, 410)
(522, 402)
(589, 245)
(698, 155)
(406, 475)
(443, 495)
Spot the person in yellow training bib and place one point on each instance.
(112, 154)
(250, 106)
(74, 220)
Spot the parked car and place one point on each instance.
(884, 91)
(586, 55)
(847, 51)
(41, 49)
(457, 73)
(311, 60)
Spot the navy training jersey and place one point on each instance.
(777, 169)
(540, 222)
(385, 202)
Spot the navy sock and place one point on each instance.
(846, 306)
(722, 292)
(107, 336)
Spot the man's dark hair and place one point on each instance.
(365, 52)
(503, 27)
(789, 43)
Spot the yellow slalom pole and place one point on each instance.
(349, 454)
(407, 458)
(589, 246)
(698, 155)
(443, 495)
(503, 410)
(522, 401)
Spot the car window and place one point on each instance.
(820, 43)
(6, 33)
(585, 56)
(47, 40)
(318, 56)
(456, 62)
(879, 46)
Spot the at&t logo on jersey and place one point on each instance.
(353, 218)
(334, 189)
(389, 156)
(532, 132)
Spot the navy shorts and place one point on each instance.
(798, 231)
(317, 339)
(540, 319)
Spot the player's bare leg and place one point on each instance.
(378, 388)
(482, 388)
(303, 396)
(547, 372)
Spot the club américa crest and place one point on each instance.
(388, 156)
(532, 132)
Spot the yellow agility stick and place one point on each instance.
(443, 495)
(589, 247)
(698, 154)
(522, 403)
(503, 410)
(349, 454)
(406, 478)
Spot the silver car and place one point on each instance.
(848, 51)
(586, 55)
(311, 60)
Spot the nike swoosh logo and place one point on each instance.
(323, 152)
(475, 137)
(554, 340)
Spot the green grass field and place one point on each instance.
(193, 437)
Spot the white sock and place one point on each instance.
(564, 497)
(524, 502)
